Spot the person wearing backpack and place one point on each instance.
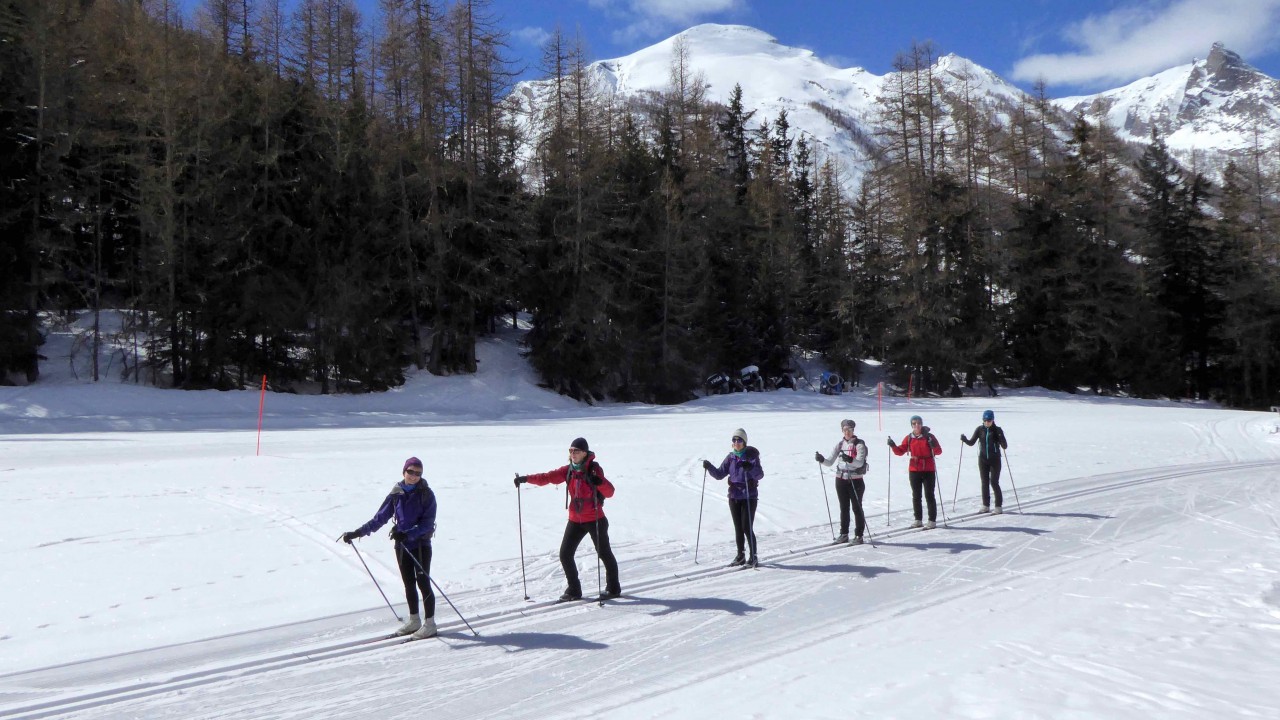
(850, 458)
(992, 441)
(413, 505)
(744, 472)
(586, 488)
(922, 446)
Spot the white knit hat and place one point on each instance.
(742, 434)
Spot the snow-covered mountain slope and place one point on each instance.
(1212, 106)
(1217, 106)
(836, 107)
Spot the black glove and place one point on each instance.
(892, 444)
(706, 465)
(520, 479)
(818, 456)
(746, 464)
(396, 534)
(594, 479)
(347, 537)
(964, 438)
(846, 457)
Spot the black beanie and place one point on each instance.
(580, 444)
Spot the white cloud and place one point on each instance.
(534, 36)
(1144, 38)
(644, 19)
(682, 11)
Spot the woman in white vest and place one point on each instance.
(850, 458)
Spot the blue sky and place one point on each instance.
(1076, 45)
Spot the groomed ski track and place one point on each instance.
(677, 627)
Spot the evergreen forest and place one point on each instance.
(296, 191)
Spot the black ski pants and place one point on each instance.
(599, 532)
(416, 579)
(990, 472)
(744, 523)
(923, 481)
(845, 490)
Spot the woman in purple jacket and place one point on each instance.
(742, 467)
(413, 506)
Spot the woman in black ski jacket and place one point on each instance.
(990, 439)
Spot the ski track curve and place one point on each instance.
(518, 667)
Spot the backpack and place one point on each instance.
(866, 462)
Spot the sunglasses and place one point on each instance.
(415, 473)
(738, 440)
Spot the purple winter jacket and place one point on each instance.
(414, 508)
(745, 473)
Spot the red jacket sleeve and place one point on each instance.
(555, 477)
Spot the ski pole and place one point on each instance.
(455, 608)
(937, 484)
(942, 503)
(831, 523)
(888, 492)
(959, 464)
(599, 585)
(375, 581)
(702, 501)
(436, 585)
(866, 526)
(1011, 482)
(524, 582)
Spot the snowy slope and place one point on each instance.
(832, 107)
(1217, 105)
(171, 573)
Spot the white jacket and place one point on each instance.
(848, 469)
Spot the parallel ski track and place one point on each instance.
(184, 681)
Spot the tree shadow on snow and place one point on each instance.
(955, 548)
(865, 571)
(671, 605)
(516, 642)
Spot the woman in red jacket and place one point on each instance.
(921, 445)
(585, 493)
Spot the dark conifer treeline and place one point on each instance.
(329, 199)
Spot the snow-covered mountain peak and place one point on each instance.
(1217, 104)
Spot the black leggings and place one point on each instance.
(415, 579)
(573, 534)
(846, 498)
(744, 523)
(990, 472)
(924, 481)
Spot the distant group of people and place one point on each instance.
(412, 504)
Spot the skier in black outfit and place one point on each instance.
(992, 441)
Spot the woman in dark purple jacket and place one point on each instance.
(742, 467)
(413, 506)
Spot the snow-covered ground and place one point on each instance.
(155, 567)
